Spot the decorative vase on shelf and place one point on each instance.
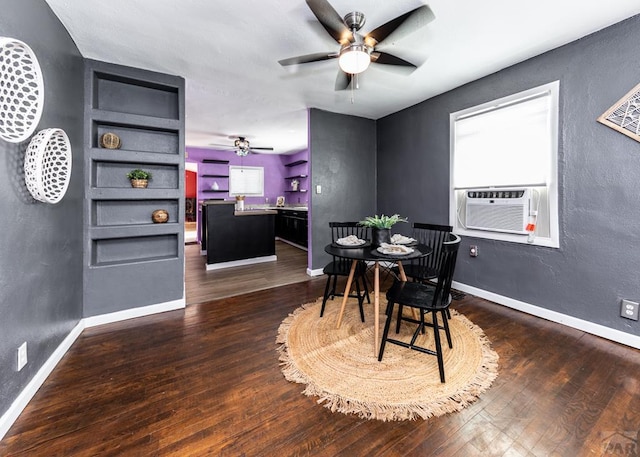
(160, 216)
(215, 185)
(380, 235)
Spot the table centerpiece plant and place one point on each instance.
(381, 227)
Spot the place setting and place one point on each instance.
(351, 241)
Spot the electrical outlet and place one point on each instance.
(473, 250)
(629, 309)
(22, 356)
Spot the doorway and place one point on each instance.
(190, 202)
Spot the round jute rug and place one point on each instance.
(339, 367)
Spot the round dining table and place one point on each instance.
(370, 253)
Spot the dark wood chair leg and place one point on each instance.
(399, 321)
(436, 335)
(385, 333)
(360, 299)
(326, 295)
(445, 322)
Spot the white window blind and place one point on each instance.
(507, 145)
(246, 181)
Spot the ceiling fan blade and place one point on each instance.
(317, 57)
(226, 146)
(330, 20)
(404, 24)
(261, 149)
(343, 80)
(390, 59)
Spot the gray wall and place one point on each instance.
(599, 169)
(343, 161)
(41, 244)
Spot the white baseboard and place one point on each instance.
(316, 272)
(595, 329)
(132, 313)
(23, 399)
(239, 263)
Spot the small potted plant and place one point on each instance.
(139, 178)
(381, 227)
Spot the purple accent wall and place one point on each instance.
(275, 173)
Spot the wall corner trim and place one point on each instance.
(23, 399)
(608, 333)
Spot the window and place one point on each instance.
(507, 145)
(248, 181)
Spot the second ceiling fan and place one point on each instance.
(241, 146)
(358, 51)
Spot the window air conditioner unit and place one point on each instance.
(498, 210)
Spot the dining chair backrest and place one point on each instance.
(448, 256)
(433, 235)
(344, 229)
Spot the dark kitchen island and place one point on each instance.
(236, 238)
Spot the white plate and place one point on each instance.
(345, 242)
(401, 239)
(394, 250)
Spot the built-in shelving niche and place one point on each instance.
(107, 213)
(117, 251)
(127, 253)
(106, 174)
(120, 94)
(143, 139)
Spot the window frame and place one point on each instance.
(553, 89)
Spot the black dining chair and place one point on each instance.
(432, 235)
(426, 299)
(342, 267)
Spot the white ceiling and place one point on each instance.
(228, 52)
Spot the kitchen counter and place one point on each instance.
(236, 238)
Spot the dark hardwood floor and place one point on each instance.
(206, 381)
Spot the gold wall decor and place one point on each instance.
(110, 141)
(624, 115)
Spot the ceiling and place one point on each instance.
(228, 53)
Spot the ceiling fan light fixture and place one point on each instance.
(242, 146)
(354, 58)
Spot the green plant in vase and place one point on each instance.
(381, 227)
(139, 178)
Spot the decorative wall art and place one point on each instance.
(21, 90)
(47, 165)
(624, 115)
(110, 141)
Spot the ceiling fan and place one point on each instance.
(241, 145)
(358, 51)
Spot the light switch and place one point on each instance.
(318, 189)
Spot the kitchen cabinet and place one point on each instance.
(291, 226)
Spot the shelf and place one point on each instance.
(130, 193)
(215, 161)
(215, 191)
(214, 176)
(301, 190)
(293, 164)
(294, 177)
